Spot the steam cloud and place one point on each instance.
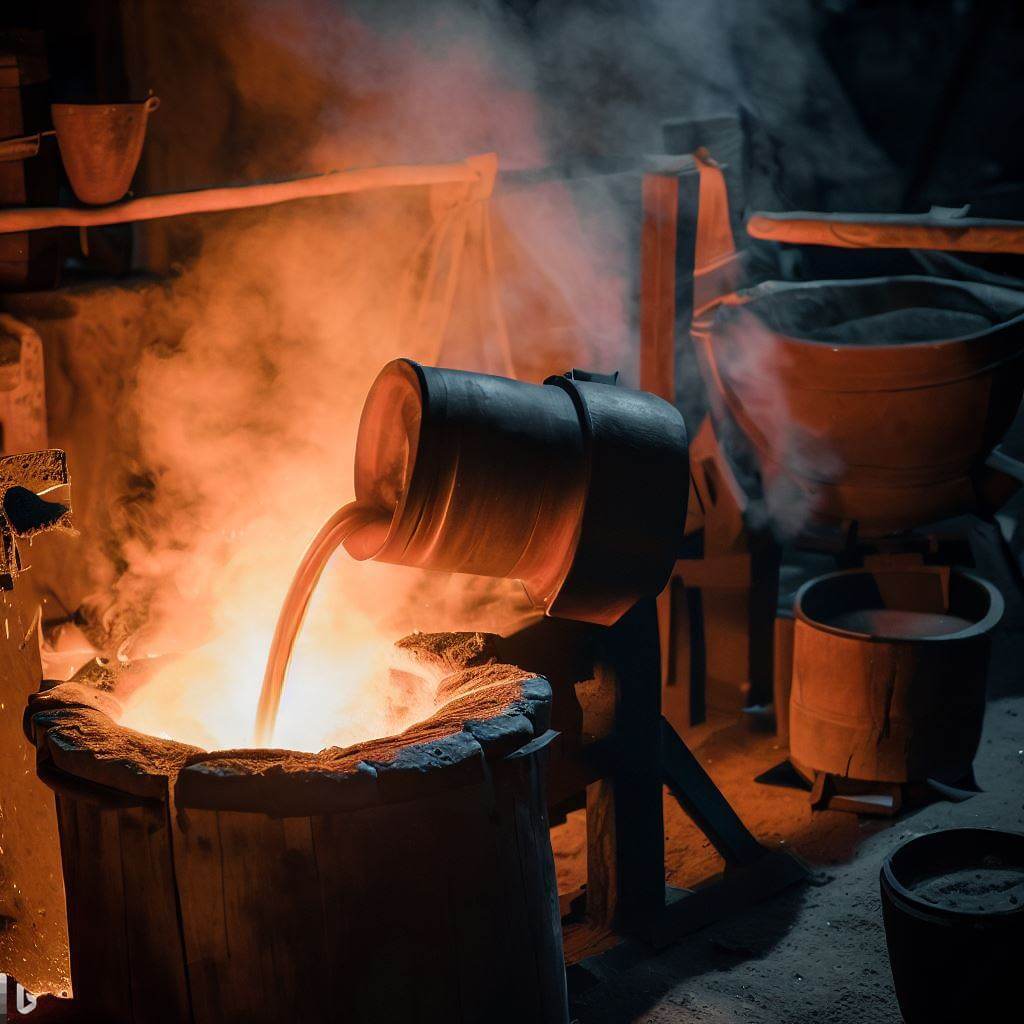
(246, 415)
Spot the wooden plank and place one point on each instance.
(660, 198)
(155, 946)
(198, 867)
(530, 892)
(91, 852)
(417, 923)
(420, 928)
(214, 200)
(248, 883)
(782, 676)
(890, 231)
(538, 867)
(475, 907)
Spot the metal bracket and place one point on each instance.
(34, 498)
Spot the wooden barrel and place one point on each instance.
(889, 672)
(408, 878)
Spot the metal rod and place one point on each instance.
(214, 200)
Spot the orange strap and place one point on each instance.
(715, 266)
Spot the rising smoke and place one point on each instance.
(245, 417)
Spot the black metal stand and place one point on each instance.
(616, 747)
(646, 754)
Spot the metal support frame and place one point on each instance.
(645, 754)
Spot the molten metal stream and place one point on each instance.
(346, 521)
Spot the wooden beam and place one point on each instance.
(658, 285)
(473, 170)
(705, 803)
(890, 231)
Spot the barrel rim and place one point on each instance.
(275, 781)
(983, 626)
(908, 902)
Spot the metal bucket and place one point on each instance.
(952, 963)
(100, 144)
(575, 487)
(849, 391)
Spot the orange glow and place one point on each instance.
(250, 425)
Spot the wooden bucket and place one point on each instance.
(403, 879)
(889, 672)
(873, 402)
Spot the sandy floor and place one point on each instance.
(815, 953)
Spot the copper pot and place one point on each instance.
(890, 434)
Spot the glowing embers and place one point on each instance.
(412, 872)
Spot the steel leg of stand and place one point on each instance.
(704, 803)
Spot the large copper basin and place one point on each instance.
(888, 429)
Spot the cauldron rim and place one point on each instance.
(707, 320)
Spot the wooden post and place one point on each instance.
(658, 285)
(666, 246)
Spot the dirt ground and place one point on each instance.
(815, 952)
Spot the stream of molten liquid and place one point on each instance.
(345, 522)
